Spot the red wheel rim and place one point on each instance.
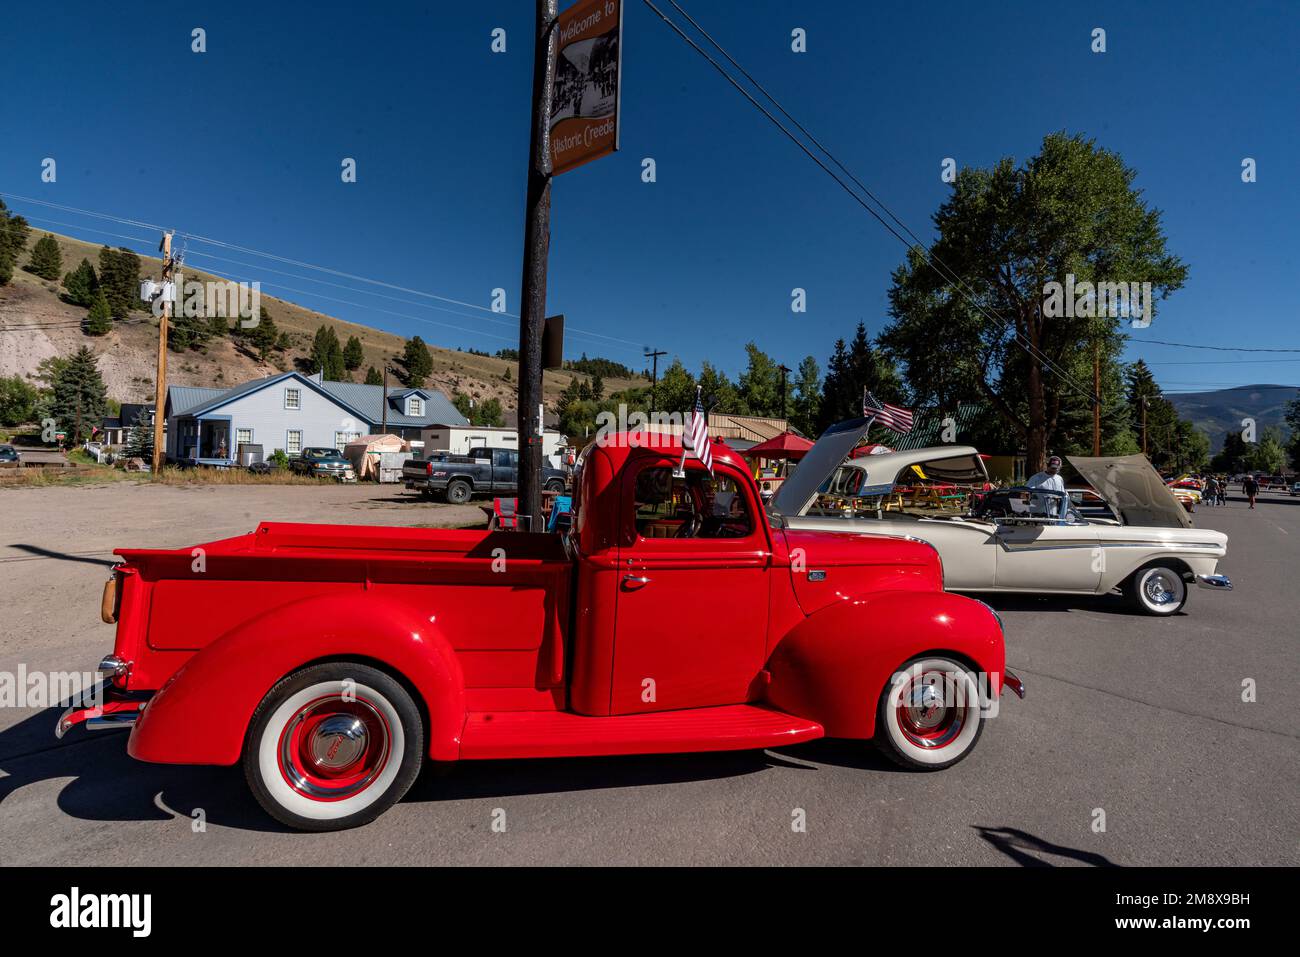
(331, 749)
(931, 710)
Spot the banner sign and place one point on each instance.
(585, 96)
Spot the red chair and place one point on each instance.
(505, 513)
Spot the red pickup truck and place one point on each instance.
(676, 614)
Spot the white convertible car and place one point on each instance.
(1011, 540)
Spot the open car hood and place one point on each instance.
(816, 467)
(1133, 489)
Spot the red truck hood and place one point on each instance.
(833, 566)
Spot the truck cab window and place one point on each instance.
(695, 506)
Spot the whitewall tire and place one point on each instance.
(1158, 590)
(929, 715)
(333, 746)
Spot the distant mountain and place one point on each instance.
(1218, 412)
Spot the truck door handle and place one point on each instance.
(635, 580)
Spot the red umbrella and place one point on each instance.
(787, 445)
(874, 448)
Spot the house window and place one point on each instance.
(415, 406)
(341, 439)
(293, 398)
(293, 442)
(243, 437)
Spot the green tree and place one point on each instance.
(99, 321)
(1007, 234)
(17, 400)
(417, 363)
(81, 285)
(853, 368)
(597, 387)
(78, 398)
(676, 390)
(119, 277)
(261, 339)
(13, 240)
(489, 412)
(717, 391)
(1231, 459)
(1268, 454)
(139, 437)
(759, 386)
(217, 328)
(353, 355)
(807, 397)
(373, 377)
(327, 355)
(46, 261)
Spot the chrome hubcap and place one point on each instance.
(1161, 589)
(338, 741)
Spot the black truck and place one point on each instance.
(482, 472)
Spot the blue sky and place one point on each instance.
(243, 143)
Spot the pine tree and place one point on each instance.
(82, 285)
(13, 239)
(46, 260)
(139, 438)
(373, 377)
(326, 355)
(78, 400)
(119, 277)
(416, 362)
(597, 387)
(353, 355)
(99, 321)
(217, 328)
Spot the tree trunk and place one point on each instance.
(1036, 437)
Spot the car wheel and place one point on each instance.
(1158, 590)
(556, 486)
(929, 715)
(458, 492)
(333, 746)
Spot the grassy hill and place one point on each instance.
(127, 355)
(1221, 411)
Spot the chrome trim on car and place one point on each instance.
(111, 666)
(1013, 681)
(1214, 581)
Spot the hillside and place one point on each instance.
(127, 354)
(1220, 411)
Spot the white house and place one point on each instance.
(292, 411)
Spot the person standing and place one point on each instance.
(1251, 487)
(1049, 480)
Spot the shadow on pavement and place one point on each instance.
(38, 551)
(1023, 848)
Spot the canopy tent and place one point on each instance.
(365, 453)
(787, 445)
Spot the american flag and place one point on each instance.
(699, 435)
(890, 416)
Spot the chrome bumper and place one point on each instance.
(100, 708)
(1012, 681)
(1214, 581)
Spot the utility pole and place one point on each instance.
(784, 372)
(537, 246)
(160, 377)
(383, 402)
(1096, 399)
(654, 374)
(1144, 425)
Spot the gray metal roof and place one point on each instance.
(186, 397)
(367, 400)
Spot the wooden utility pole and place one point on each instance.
(1096, 399)
(654, 374)
(784, 372)
(537, 246)
(160, 384)
(383, 403)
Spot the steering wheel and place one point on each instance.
(688, 527)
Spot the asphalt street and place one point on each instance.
(1134, 745)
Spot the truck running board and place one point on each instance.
(558, 734)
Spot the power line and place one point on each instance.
(1186, 345)
(575, 330)
(951, 278)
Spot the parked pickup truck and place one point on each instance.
(481, 472)
(675, 615)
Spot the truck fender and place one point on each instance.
(833, 665)
(201, 715)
